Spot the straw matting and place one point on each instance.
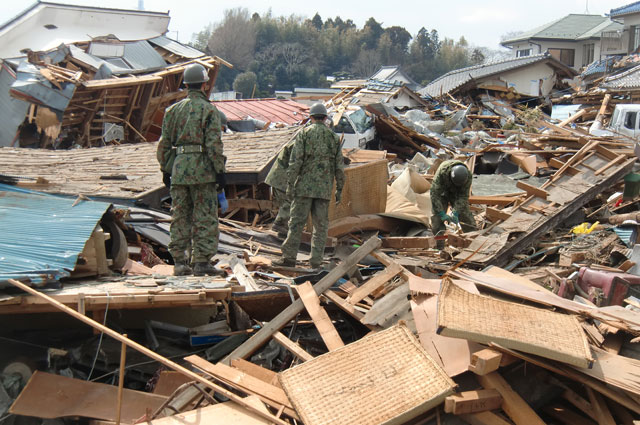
(386, 377)
(478, 318)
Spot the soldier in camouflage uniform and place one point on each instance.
(451, 186)
(277, 179)
(316, 160)
(190, 150)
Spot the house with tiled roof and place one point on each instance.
(574, 40)
(629, 37)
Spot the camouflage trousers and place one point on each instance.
(194, 224)
(300, 209)
(461, 205)
(284, 208)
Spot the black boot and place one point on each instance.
(181, 268)
(206, 268)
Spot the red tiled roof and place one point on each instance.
(274, 110)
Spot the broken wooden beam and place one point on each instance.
(513, 405)
(532, 190)
(375, 282)
(292, 346)
(409, 242)
(288, 314)
(472, 401)
(320, 318)
(485, 361)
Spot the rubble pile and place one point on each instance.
(534, 318)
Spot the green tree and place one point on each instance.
(371, 33)
(317, 21)
(234, 39)
(245, 83)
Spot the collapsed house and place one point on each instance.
(107, 89)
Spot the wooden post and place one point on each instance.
(144, 350)
(319, 315)
(123, 358)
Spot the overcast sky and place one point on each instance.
(480, 22)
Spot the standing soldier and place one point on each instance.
(451, 186)
(277, 179)
(316, 160)
(191, 135)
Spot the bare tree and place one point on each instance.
(367, 63)
(234, 39)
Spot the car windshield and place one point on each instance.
(360, 120)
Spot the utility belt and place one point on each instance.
(182, 149)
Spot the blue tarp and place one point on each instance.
(41, 235)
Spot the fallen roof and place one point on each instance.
(388, 74)
(131, 171)
(284, 111)
(42, 235)
(46, 25)
(625, 10)
(570, 27)
(453, 80)
(628, 80)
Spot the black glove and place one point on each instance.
(221, 180)
(166, 179)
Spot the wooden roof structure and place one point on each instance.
(130, 172)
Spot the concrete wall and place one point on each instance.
(526, 81)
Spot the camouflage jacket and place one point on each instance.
(316, 159)
(443, 191)
(192, 121)
(277, 177)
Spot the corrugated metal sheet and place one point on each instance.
(32, 85)
(13, 110)
(175, 47)
(625, 10)
(457, 78)
(42, 234)
(141, 56)
(626, 80)
(95, 61)
(285, 111)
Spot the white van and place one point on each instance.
(358, 129)
(625, 121)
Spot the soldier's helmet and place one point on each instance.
(459, 175)
(318, 110)
(195, 73)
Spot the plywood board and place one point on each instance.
(367, 382)
(217, 414)
(483, 319)
(50, 396)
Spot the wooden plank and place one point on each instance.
(343, 305)
(472, 402)
(346, 225)
(513, 405)
(485, 361)
(144, 350)
(532, 190)
(610, 164)
(494, 214)
(602, 413)
(320, 318)
(280, 321)
(376, 281)
(556, 163)
(566, 416)
(221, 413)
(292, 346)
(579, 402)
(268, 393)
(259, 372)
(572, 118)
(501, 201)
(242, 275)
(484, 418)
(409, 242)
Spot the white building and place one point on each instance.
(574, 40)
